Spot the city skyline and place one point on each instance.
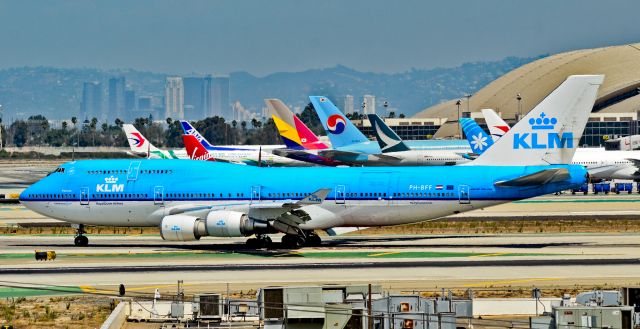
(226, 37)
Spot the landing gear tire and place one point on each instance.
(313, 240)
(292, 241)
(259, 242)
(81, 241)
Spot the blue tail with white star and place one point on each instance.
(478, 139)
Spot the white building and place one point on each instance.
(174, 98)
(348, 104)
(369, 104)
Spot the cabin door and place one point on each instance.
(158, 195)
(134, 168)
(255, 193)
(463, 193)
(84, 196)
(341, 194)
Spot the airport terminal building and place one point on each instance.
(513, 95)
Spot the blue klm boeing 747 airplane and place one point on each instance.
(193, 199)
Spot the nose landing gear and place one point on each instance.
(81, 240)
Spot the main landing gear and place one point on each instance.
(81, 240)
(260, 241)
(295, 241)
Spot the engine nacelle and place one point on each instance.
(224, 223)
(182, 228)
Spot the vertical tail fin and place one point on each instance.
(195, 149)
(550, 133)
(497, 126)
(340, 130)
(388, 140)
(294, 133)
(478, 138)
(137, 142)
(190, 130)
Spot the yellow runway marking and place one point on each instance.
(490, 255)
(384, 254)
(492, 283)
(94, 290)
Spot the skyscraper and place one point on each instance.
(220, 95)
(174, 98)
(348, 104)
(207, 96)
(116, 99)
(193, 98)
(369, 102)
(130, 104)
(91, 105)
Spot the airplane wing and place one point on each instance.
(285, 216)
(542, 177)
(636, 162)
(306, 156)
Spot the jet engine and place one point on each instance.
(217, 223)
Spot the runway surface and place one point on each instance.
(396, 262)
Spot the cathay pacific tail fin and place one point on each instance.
(550, 133)
(388, 140)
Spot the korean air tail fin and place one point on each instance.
(478, 138)
(497, 126)
(138, 144)
(550, 132)
(195, 149)
(388, 140)
(294, 133)
(190, 130)
(340, 130)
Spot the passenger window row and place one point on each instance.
(200, 195)
(52, 196)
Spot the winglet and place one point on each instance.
(316, 197)
(388, 140)
(190, 130)
(138, 144)
(195, 149)
(550, 133)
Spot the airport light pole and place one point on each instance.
(468, 97)
(459, 128)
(519, 98)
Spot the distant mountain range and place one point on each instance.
(56, 92)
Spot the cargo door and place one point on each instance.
(158, 195)
(84, 196)
(463, 193)
(134, 168)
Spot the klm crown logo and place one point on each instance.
(537, 139)
(543, 122)
(111, 180)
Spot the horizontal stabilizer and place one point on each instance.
(539, 178)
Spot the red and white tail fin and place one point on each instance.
(195, 149)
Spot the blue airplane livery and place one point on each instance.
(189, 199)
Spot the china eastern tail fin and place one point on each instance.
(190, 130)
(195, 149)
(388, 140)
(138, 144)
(478, 138)
(340, 130)
(294, 133)
(551, 131)
(497, 126)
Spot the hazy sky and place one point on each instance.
(265, 36)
